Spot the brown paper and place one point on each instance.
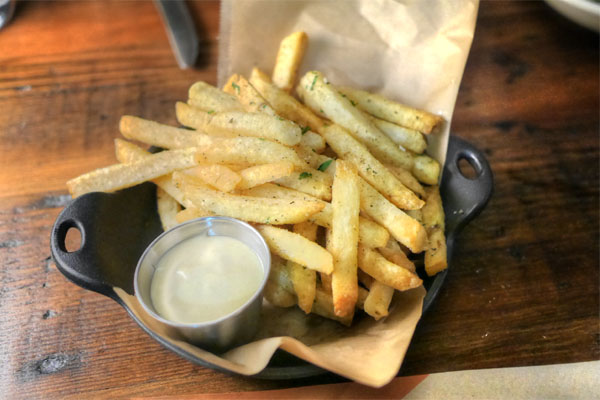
(411, 51)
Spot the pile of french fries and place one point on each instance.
(334, 181)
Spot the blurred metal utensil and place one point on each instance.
(7, 9)
(180, 31)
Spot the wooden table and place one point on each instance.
(523, 288)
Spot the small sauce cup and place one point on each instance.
(230, 330)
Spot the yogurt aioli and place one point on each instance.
(204, 278)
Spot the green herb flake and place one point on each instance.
(353, 103)
(305, 175)
(236, 87)
(211, 111)
(281, 119)
(305, 129)
(325, 165)
(312, 85)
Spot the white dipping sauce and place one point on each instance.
(204, 278)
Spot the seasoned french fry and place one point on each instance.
(402, 227)
(258, 125)
(259, 174)
(251, 209)
(191, 213)
(393, 252)
(121, 176)
(407, 179)
(392, 111)
(285, 105)
(155, 134)
(218, 176)
(211, 99)
(378, 300)
(426, 169)
(343, 239)
(289, 58)
(313, 141)
(320, 95)
(167, 208)
(316, 160)
(433, 219)
(388, 273)
(252, 101)
(294, 247)
(409, 139)
(370, 233)
(309, 181)
(323, 306)
(370, 168)
(304, 279)
(279, 290)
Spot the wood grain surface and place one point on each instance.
(523, 287)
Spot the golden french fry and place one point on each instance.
(409, 139)
(155, 134)
(416, 215)
(370, 168)
(289, 58)
(247, 208)
(313, 141)
(403, 228)
(285, 104)
(326, 279)
(378, 300)
(211, 99)
(191, 213)
(362, 296)
(259, 174)
(407, 179)
(316, 160)
(279, 290)
(240, 123)
(304, 279)
(318, 94)
(426, 169)
(167, 208)
(121, 176)
(252, 101)
(323, 306)
(370, 233)
(218, 176)
(309, 181)
(392, 111)
(386, 272)
(294, 247)
(343, 239)
(393, 252)
(433, 219)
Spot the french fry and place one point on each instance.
(309, 181)
(240, 123)
(304, 279)
(388, 273)
(362, 297)
(392, 111)
(294, 247)
(167, 208)
(323, 306)
(155, 134)
(393, 252)
(285, 104)
(259, 174)
(247, 208)
(426, 169)
(211, 99)
(378, 300)
(247, 95)
(320, 95)
(313, 141)
(344, 238)
(326, 279)
(289, 58)
(191, 213)
(279, 290)
(402, 227)
(370, 233)
(407, 179)
(316, 160)
(433, 219)
(121, 176)
(370, 168)
(218, 176)
(409, 139)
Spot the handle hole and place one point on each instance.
(73, 239)
(467, 168)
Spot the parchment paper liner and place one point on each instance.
(411, 51)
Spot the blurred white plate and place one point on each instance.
(583, 12)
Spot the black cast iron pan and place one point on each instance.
(116, 228)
